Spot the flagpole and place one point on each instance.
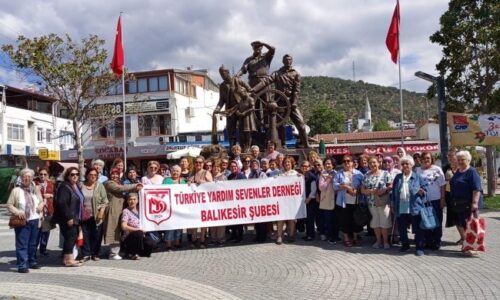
(124, 110)
(400, 88)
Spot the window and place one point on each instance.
(197, 138)
(181, 85)
(143, 85)
(132, 86)
(182, 138)
(48, 135)
(109, 129)
(39, 135)
(66, 138)
(151, 125)
(153, 84)
(163, 83)
(15, 132)
(119, 127)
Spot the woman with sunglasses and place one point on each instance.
(153, 176)
(68, 212)
(200, 175)
(47, 190)
(115, 194)
(246, 169)
(327, 202)
(94, 205)
(347, 184)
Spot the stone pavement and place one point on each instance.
(315, 270)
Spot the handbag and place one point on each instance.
(361, 214)
(380, 201)
(475, 231)
(16, 222)
(428, 217)
(47, 224)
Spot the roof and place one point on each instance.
(36, 95)
(366, 136)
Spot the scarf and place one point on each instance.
(30, 202)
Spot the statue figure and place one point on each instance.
(246, 116)
(228, 90)
(287, 80)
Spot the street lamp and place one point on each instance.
(443, 129)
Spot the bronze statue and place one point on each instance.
(287, 80)
(246, 117)
(257, 65)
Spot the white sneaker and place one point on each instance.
(115, 257)
(323, 237)
(376, 245)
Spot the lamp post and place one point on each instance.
(443, 129)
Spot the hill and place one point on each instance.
(348, 97)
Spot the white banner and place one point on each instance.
(178, 206)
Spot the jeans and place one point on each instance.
(172, 235)
(92, 237)
(26, 244)
(328, 229)
(312, 214)
(403, 221)
(43, 240)
(433, 236)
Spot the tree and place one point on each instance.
(470, 36)
(76, 74)
(324, 119)
(381, 125)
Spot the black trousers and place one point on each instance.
(137, 243)
(261, 231)
(70, 234)
(312, 216)
(92, 237)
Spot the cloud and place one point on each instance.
(324, 36)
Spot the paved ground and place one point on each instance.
(314, 270)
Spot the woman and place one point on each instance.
(347, 183)
(94, 205)
(115, 190)
(134, 239)
(47, 191)
(400, 151)
(67, 213)
(174, 235)
(152, 176)
(246, 169)
(389, 166)
(363, 164)
(466, 192)
(236, 230)
(327, 202)
(26, 202)
(218, 233)
(185, 168)
(200, 175)
(271, 150)
(434, 177)
(256, 173)
(235, 155)
(376, 186)
(118, 164)
(450, 170)
(132, 176)
(406, 202)
(288, 170)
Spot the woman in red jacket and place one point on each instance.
(47, 190)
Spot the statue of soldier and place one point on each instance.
(287, 80)
(227, 97)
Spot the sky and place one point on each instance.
(324, 37)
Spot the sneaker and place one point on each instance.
(115, 257)
(332, 242)
(23, 270)
(419, 253)
(322, 237)
(387, 246)
(35, 267)
(376, 245)
(404, 248)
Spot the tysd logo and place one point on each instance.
(158, 206)
(460, 124)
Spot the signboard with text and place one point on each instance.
(177, 206)
(474, 129)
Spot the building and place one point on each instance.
(166, 110)
(366, 124)
(28, 124)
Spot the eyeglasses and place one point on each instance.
(198, 162)
(93, 174)
(347, 161)
(247, 161)
(154, 168)
(43, 174)
(405, 163)
(318, 165)
(74, 174)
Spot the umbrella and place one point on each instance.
(189, 151)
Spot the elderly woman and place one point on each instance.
(450, 170)
(257, 173)
(174, 236)
(185, 168)
(200, 175)
(434, 177)
(118, 164)
(99, 165)
(68, 213)
(408, 191)
(132, 176)
(218, 233)
(466, 192)
(236, 230)
(26, 202)
(94, 205)
(152, 176)
(389, 166)
(327, 202)
(376, 186)
(47, 191)
(115, 191)
(347, 183)
(135, 243)
(288, 170)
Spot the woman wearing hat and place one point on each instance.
(115, 191)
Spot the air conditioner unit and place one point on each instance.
(190, 112)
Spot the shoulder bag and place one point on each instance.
(428, 216)
(16, 222)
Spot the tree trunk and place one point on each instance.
(79, 147)
(490, 171)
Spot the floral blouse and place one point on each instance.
(132, 220)
(381, 181)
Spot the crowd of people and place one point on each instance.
(93, 209)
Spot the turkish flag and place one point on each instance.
(392, 39)
(118, 55)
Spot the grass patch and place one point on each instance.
(492, 202)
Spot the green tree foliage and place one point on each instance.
(470, 36)
(73, 73)
(381, 125)
(324, 119)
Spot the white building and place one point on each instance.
(365, 124)
(27, 124)
(166, 110)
